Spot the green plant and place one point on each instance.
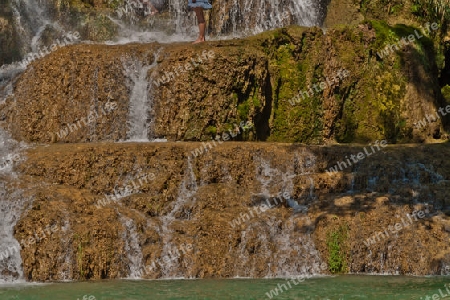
(243, 110)
(211, 130)
(385, 33)
(336, 243)
(381, 7)
(446, 93)
(432, 9)
(114, 4)
(395, 9)
(256, 102)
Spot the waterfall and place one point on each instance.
(34, 28)
(132, 247)
(275, 182)
(65, 260)
(413, 175)
(289, 251)
(12, 205)
(227, 19)
(285, 250)
(6, 83)
(296, 253)
(251, 17)
(32, 20)
(141, 98)
(10, 153)
(186, 197)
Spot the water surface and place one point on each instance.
(339, 287)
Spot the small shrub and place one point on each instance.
(446, 93)
(336, 243)
(432, 9)
(211, 130)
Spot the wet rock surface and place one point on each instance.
(90, 93)
(183, 219)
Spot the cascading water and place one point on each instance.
(250, 17)
(33, 21)
(186, 197)
(275, 182)
(34, 29)
(139, 116)
(66, 269)
(36, 26)
(413, 176)
(12, 205)
(9, 153)
(132, 248)
(290, 252)
(226, 20)
(296, 252)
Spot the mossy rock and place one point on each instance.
(100, 28)
(446, 93)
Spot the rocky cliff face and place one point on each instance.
(8, 39)
(399, 13)
(84, 201)
(235, 210)
(277, 81)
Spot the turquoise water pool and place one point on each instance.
(339, 287)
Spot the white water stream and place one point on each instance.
(185, 199)
(12, 205)
(132, 247)
(141, 99)
(289, 251)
